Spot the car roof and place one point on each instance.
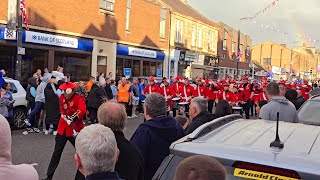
(10, 79)
(249, 141)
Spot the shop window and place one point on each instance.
(119, 69)
(153, 69)
(226, 71)
(146, 68)
(223, 56)
(136, 68)
(107, 5)
(75, 65)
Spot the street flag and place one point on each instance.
(239, 55)
(24, 13)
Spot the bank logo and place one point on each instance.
(9, 34)
(34, 37)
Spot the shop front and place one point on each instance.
(44, 50)
(279, 73)
(139, 62)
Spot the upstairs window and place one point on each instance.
(179, 31)
(107, 5)
(163, 17)
(225, 40)
(199, 37)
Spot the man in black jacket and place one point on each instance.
(199, 114)
(130, 162)
(108, 89)
(95, 99)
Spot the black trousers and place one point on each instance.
(140, 106)
(128, 108)
(210, 105)
(93, 113)
(55, 159)
(246, 108)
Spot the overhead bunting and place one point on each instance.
(273, 3)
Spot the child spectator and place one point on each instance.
(4, 102)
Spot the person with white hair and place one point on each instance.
(97, 153)
(7, 169)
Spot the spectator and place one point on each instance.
(130, 162)
(97, 153)
(2, 73)
(110, 76)
(114, 89)
(4, 102)
(101, 76)
(8, 94)
(141, 96)
(58, 74)
(278, 104)
(33, 118)
(292, 95)
(260, 104)
(200, 167)
(95, 99)
(199, 114)
(108, 89)
(90, 83)
(135, 96)
(184, 121)
(223, 109)
(81, 89)
(7, 169)
(52, 106)
(300, 99)
(31, 92)
(282, 89)
(154, 136)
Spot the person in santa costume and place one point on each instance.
(247, 95)
(167, 92)
(177, 85)
(227, 94)
(306, 88)
(152, 87)
(200, 90)
(186, 91)
(72, 109)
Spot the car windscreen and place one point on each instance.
(309, 113)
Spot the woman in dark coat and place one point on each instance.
(52, 106)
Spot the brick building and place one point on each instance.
(193, 38)
(228, 51)
(89, 37)
(286, 62)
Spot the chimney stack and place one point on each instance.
(283, 45)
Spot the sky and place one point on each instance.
(296, 17)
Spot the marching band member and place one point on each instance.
(72, 108)
(247, 95)
(262, 95)
(200, 90)
(256, 97)
(167, 92)
(177, 85)
(186, 91)
(306, 88)
(152, 87)
(226, 94)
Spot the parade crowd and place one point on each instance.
(92, 116)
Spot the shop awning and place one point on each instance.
(140, 52)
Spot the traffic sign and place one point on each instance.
(127, 72)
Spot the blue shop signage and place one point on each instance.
(139, 52)
(48, 39)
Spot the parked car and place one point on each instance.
(309, 112)
(243, 148)
(20, 105)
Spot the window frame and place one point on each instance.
(225, 40)
(200, 37)
(105, 7)
(179, 31)
(163, 19)
(128, 14)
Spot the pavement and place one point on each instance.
(38, 149)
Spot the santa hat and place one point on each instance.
(151, 79)
(68, 87)
(245, 78)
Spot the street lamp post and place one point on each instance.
(19, 43)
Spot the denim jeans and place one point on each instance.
(35, 114)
